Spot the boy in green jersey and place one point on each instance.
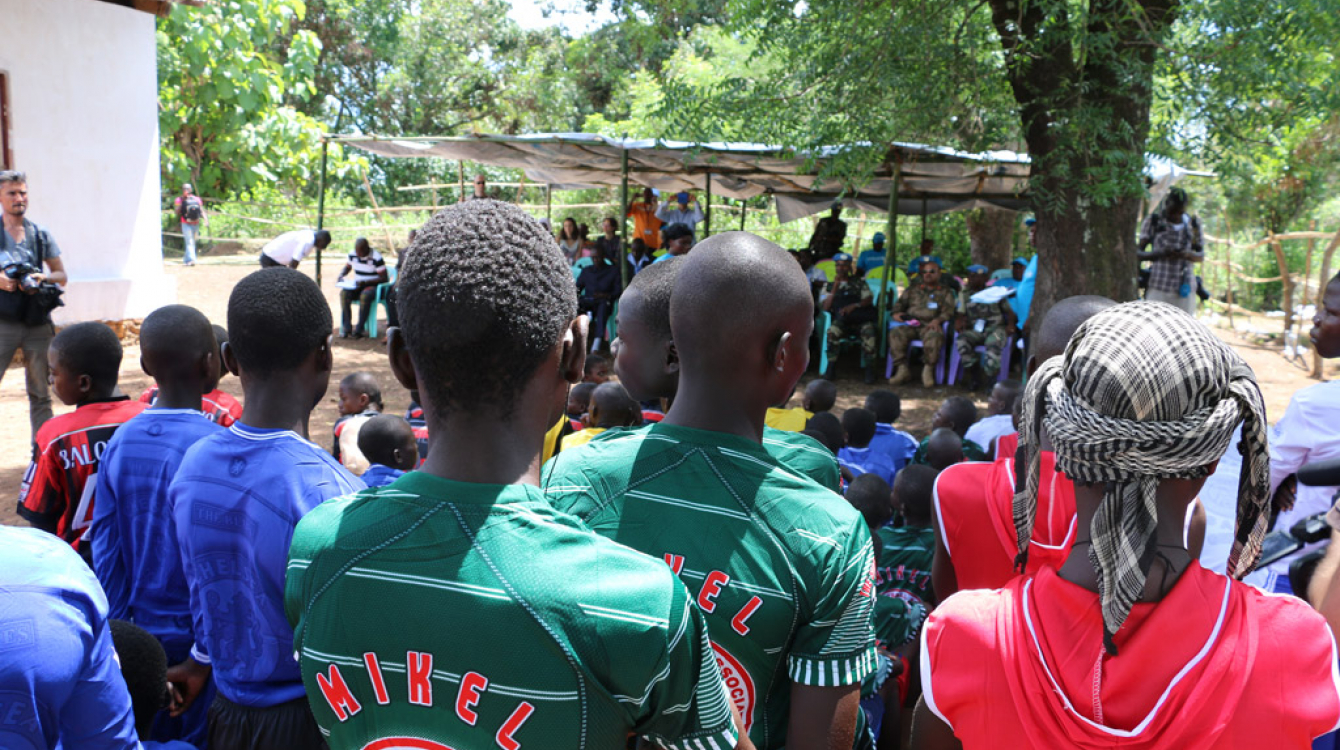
(782, 566)
(454, 607)
(647, 363)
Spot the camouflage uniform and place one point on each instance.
(994, 332)
(862, 319)
(931, 306)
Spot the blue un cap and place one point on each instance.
(977, 268)
(841, 257)
(1020, 262)
(878, 238)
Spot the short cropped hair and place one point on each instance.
(380, 436)
(859, 424)
(321, 237)
(90, 349)
(656, 283)
(144, 668)
(822, 394)
(366, 384)
(886, 405)
(916, 487)
(677, 230)
(12, 175)
(828, 423)
(484, 297)
(961, 412)
(276, 318)
(869, 494)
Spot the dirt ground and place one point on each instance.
(207, 285)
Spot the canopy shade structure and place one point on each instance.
(932, 180)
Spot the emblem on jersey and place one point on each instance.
(237, 466)
(405, 743)
(739, 685)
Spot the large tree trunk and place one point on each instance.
(1286, 283)
(991, 236)
(1085, 118)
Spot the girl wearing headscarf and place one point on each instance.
(1131, 643)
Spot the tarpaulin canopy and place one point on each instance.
(931, 179)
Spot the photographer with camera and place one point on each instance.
(28, 294)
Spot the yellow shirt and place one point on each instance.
(581, 438)
(551, 439)
(791, 420)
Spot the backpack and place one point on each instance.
(191, 210)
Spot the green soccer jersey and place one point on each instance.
(782, 567)
(431, 614)
(903, 582)
(794, 451)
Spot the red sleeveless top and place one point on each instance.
(1216, 665)
(974, 505)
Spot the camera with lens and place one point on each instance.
(23, 273)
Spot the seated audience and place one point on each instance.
(959, 414)
(360, 400)
(897, 445)
(999, 419)
(597, 368)
(579, 403)
(820, 396)
(944, 448)
(56, 495)
(880, 703)
(369, 270)
(598, 286)
(921, 313)
(389, 444)
(611, 407)
(851, 307)
(1130, 643)
(677, 239)
(858, 427)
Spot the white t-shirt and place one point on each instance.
(985, 431)
(290, 246)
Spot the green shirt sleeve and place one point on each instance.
(836, 644)
(684, 705)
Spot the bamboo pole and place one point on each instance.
(1228, 273)
(460, 180)
(1307, 264)
(890, 254)
(390, 243)
(707, 215)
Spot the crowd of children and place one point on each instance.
(556, 550)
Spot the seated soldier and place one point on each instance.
(852, 306)
(922, 312)
(1131, 643)
(986, 324)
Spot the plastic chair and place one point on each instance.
(899, 276)
(828, 267)
(580, 264)
(941, 367)
(956, 364)
(379, 301)
(824, 323)
(1002, 273)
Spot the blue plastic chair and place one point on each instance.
(379, 301)
(941, 367)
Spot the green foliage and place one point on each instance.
(222, 89)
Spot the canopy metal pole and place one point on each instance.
(707, 210)
(321, 202)
(744, 211)
(923, 218)
(890, 253)
(623, 221)
(549, 205)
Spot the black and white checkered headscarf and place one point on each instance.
(1144, 392)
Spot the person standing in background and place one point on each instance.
(190, 212)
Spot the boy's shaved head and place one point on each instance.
(144, 668)
(364, 383)
(90, 349)
(484, 297)
(869, 494)
(173, 339)
(735, 297)
(828, 423)
(388, 440)
(1061, 322)
(820, 395)
(914, 487)
(653, 286)
(611, 406)
(944, 448)
(276, 318)
(859, 426)
(644, 355)
(886, 405)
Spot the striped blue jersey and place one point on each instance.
(134, 537)
(236, 499)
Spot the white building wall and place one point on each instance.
(83, 104)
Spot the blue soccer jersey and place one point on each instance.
(134, 538)
(894, 443)
(60, 685)
(236, 499)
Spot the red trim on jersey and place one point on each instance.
(975, 507)
(1215, 665)
(217, 406)
(1007, 445)
(59, 484)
